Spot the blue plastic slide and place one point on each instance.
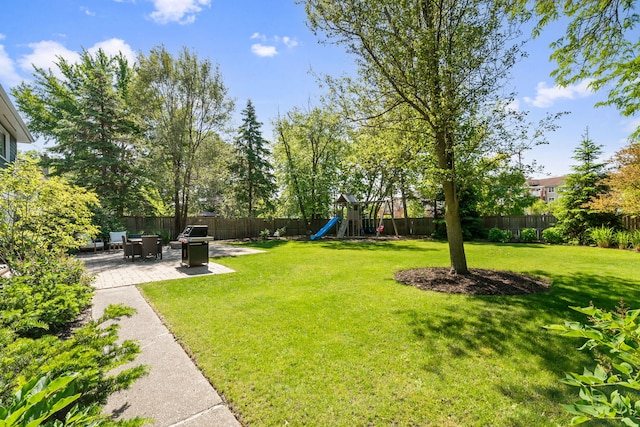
(324, 230)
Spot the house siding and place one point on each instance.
(13, 152)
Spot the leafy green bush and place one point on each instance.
(40, 399)
(92, 352)
(44, 293)
(552, 235)
(610, 391)
(623, 239)
(602, 236)
(264, 234)
(497, 235)
(635, 240)
(528, 235)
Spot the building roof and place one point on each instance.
(547, 182)
(11, 120)
(347, 198)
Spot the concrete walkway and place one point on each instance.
(175, 393)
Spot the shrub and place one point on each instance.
(92, 353)
(39, 399)
(279, 232)
(44, 293)
(635, 240)
(264, 234)
(623, 239)
(609, 391)
(552, 235)
(497, 235)
(602, 236)
(528, 235)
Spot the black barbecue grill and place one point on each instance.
(195, 245)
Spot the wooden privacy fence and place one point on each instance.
(225, 228)
(516, 223)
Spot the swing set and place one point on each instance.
(356, 223)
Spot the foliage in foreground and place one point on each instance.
(41, 398)
(612, 389)
(38, 214)
(90, 355)
(44, 294)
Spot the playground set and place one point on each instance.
(353, 219)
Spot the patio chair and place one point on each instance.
(115, 240)
(149, 247)
(131, 249)
(87, 243)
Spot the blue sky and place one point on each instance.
(265, 53)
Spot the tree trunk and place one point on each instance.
(177, 214)
(452, 211)
(405, 208)
(454, 230)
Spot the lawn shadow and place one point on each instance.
(509, 325)
(263, 244)
(368, 245)
(508, 245)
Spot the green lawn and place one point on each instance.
(319, 333)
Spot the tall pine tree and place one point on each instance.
(254, 182)
(85, 110)
(582, 186)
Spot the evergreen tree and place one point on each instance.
(252, 173)
(85, 110)
(582, 186)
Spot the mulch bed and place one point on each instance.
(477, 282)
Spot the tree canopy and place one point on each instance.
(309, 150)
(623, 182)
(600, 45)
(86, 111)
(186, 104)
(445, 60)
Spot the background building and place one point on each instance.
(546, 189)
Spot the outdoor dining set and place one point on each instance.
(142, 246)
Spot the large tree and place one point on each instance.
(308, 152)
(601, 44)
(623, 183)
(84, 109)
(254, 182)
(185, 104)
(581, 187)
(444, 59)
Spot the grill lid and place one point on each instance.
(195, 231)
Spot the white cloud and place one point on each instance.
(113, 46)
(8, 74)
(546, 96)
(45, 54)
(264, 50)
(87, 11)
(180, 11)
(289, 42)
(270, 50)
